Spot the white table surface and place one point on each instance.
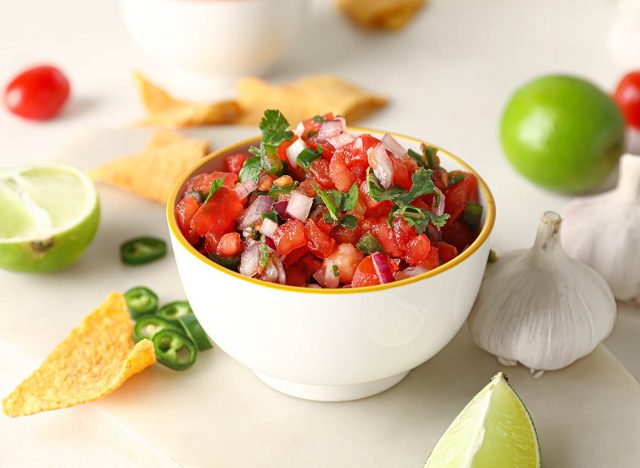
(448, 76)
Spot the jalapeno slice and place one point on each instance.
(141, 300)
(174, 350)
(174, 310)
(148, 325)
(142, 250)
(194, 330)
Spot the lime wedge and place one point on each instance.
(49, 214)
(493, 430)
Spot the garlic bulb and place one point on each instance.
(604, 231)
(540, 307)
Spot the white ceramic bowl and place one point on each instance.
(201, 46)
(332, 344)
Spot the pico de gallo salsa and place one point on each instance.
(321, 207)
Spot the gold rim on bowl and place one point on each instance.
(482, 236)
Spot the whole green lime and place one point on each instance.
(563, 133)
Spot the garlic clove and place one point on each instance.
(604, 231)
(541, 307)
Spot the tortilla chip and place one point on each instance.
(152, 173)
(163, 109)
(90, 363)
(306, 97)
(381, 14)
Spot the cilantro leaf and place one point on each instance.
(349, 202)
(377, 192)
(349, 221)
(274, 128)
(328, 200)
(418, 217)
(369, 244)
(335, 270)
(264, 255)
(318, 119)
(250, 169)
(272, 215)
(276, 190)
(215, 186)
(306, 157)
(421, 184)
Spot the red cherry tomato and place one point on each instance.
(38, 93)
(627, 96)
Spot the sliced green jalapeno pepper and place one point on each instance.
(172, 311)
(140, 301)
(174, 350)
(472, 215)
(142, 250)
(194, 330)
(232, 263)
(148, 325)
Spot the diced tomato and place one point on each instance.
(307, 187)
(457, 234)
(318, 242)
(310, 264)
(343, 234)
(295, 276)
(433, 259)
(282, 149)
(447, 251)
(322, 224)
(359, 210)
(203, 181)
(359, 148)
(289, 236)
(374, 208)
(313, 126)
(211, 241)
(417, 250)
(385, 236)
(401, 176)
(346, 258)
(457, 196)
(340, 174)
(229, 245)
(319, 170)
(219, 214)
(185, 209)
(402, 232)
(423, 202)
(294, 256)
(325, 148)
(365, 274)
(234, 162)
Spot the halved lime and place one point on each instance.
(493, 430)
(49, 214)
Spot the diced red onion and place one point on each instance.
(381, 164)
(395, 148)
(270, 243)
(282, 276)
(434, 233)
(341, 140)
(314, 286)
(410, 272)
(299, 206)
(330, 129)
(243, 189)
(253, 213)
(438, 202)
(330, 279)
(270, 272)
(343, 121)
(249, 260)
(319, 277)
(299, 129)
(294, 150)
(268, 227)
(281, 208)
(381, 264)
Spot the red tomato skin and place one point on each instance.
(456, 197)
(457, 234)
(203, 182)
(234, 162)
(185, 209)
(219, 215)
(319, 170)
(211, 241)
(402, 232)
(627, 96)
(230, 245)
(38, 93)
(374, 209)
(433, 259)
(340, 174)
(289, 237)
(418, 249)
(319, 243)
(344, 235)
(282, 149)
(401, 176)
(365, 274)
(385, 236)
(447, 251)
(295, 276)
(295, 255)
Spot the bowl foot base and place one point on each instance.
(331, 392)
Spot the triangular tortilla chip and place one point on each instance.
(381, 14)
(152, 173)
(90, 363)
(163, 109)
(304, 98)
